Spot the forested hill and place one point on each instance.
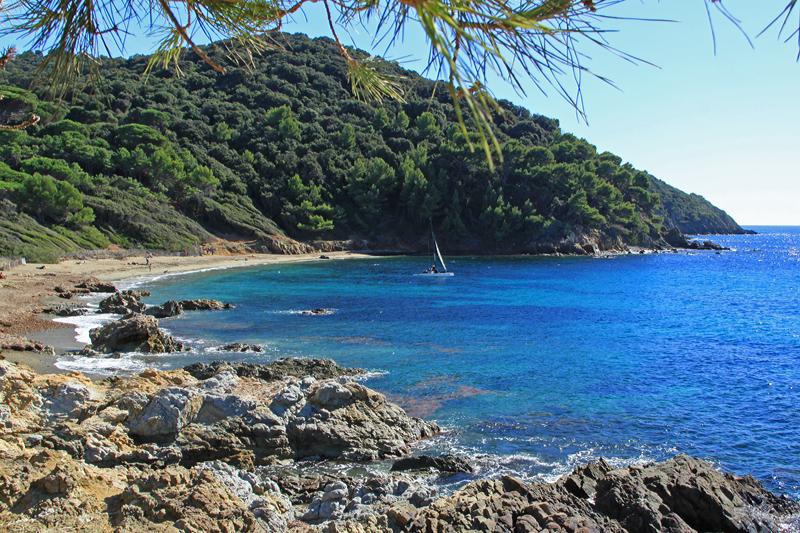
(281, 154)
(691, 213)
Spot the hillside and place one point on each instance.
(691, 213)
(281, 154)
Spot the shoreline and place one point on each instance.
(28, 289)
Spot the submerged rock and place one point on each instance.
(137, 333)
(444, 463)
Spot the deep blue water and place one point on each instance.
(544, 363)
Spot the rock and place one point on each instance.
(95, 285)
(137, 333)
(166, 414)
(66, 310)
(243, 348)
(360, 426)
(122, 303)
(21, 344)
(204, 305)
(57, 482)
(168, 450)
(69, 398)
(299, 367)
(332, 395)
(444, 463)
(186, 499)
(681, 495)
(168, 309)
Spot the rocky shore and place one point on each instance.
(238, 447)
(296, 445)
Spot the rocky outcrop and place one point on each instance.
(168, 309)
(136, 333)
(90, 447)
(122, 303)
(213, 449)
(677, 239)
(66, 310)
(445, 463)
(172, 308)
(204, 305)
(14, 343)
(681, 495)
(242, 348)
(297, 367)
(95, 285)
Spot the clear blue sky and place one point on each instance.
(724, 126)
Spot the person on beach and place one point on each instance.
(147, 261)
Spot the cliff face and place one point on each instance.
(281, 154)
(691, 213)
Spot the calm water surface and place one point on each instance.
(539, 364)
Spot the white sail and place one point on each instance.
(439, 254)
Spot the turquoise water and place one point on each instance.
(539, 364)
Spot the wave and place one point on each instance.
(369, 374)
(327, 311)
(85, 323)
(130, 363)
(527, 466)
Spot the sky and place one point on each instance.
(724, 124)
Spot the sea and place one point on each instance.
(535, 365)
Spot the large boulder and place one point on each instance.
(137, 333)
(122, 303)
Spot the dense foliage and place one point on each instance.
(283, 149)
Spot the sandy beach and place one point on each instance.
(26, 290)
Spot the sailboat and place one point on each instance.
(434, 269)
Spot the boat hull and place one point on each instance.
(435, 275)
